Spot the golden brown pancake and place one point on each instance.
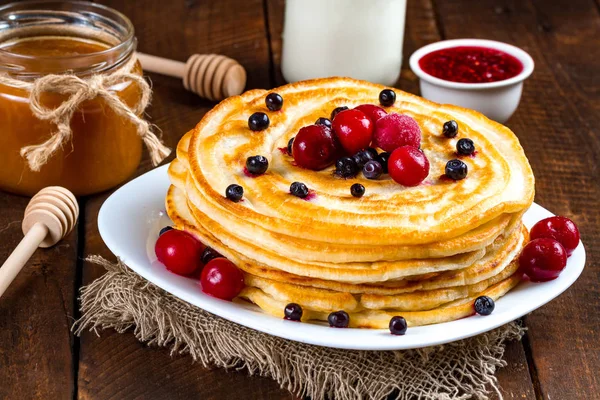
(425, 252)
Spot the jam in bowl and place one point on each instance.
(470, 64)
(483, 75)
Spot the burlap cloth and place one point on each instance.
(123, 300)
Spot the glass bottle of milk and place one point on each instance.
(361, 39)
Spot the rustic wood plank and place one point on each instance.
(36, 313)
(557, 123)
(117, 365)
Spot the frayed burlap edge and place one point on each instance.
(121, 300)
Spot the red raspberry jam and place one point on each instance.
(469, 64)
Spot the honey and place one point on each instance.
(104, 148)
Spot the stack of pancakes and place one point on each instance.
(423, 252)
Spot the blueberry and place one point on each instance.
(456, 170)
(465, 147)
(290, 144)
(346, 167)
(292, 312)
(364, 156)
(299, 189)
(450, 129)
(338, 319)
(324, 121)
(372, 152)
(372, 170)
(258, 121)
(257, 165)
(387, 97)
(274, 102)
(357, 190)
(398, 326)
(484, 305)
(383, 159)
(165, 229)
(234, 192)
(208, 254)
(336, 111)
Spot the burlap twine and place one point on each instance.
(123, 300)
(79, 90)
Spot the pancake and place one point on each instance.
(293, 247)
(500, 179)
(380, 319)
(235, 248)
(423, 252)
(494, 257)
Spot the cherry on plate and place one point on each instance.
(315, 147)
(396, 130)
(180, 252)
(543, 259)
(373, 112)
(561, 229)
(221, 279)
(353, 129)
(408, 166)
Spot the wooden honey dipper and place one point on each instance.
(211, 76)
(50, 216)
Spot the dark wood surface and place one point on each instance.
(557, 122)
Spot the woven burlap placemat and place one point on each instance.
(123, 300)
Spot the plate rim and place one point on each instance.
(288, 329)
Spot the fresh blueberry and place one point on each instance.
(336, 111)
(208, 254)
(274, 102)
(398, 325)
(383, 160)
(338, 319)
(292, 312)
(165, 229)
(346, 167)
(258, 121)
(450, 129)
(299, 189)
(290, 144)
(372, 170)
(234, 192)
(456, 170)
(484, 305)
(364, 156)
(387, 97)
(324, 121)
(357, 190)
(465, 147)
(372, 152)
(257, 165)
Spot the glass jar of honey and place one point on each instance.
(84, 40)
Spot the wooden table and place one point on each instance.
(557, 122)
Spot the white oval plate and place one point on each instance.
(129, 222)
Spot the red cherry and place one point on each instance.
(354, 130)
(558, 228)
(221, 279)
(315, 147)
(373, 112)
(179, 251)
(543, 259)
(408, 166)
(396, 130)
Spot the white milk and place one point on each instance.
(357, 38)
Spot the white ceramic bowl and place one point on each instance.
(497, 100)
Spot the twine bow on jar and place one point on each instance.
(77, 91)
